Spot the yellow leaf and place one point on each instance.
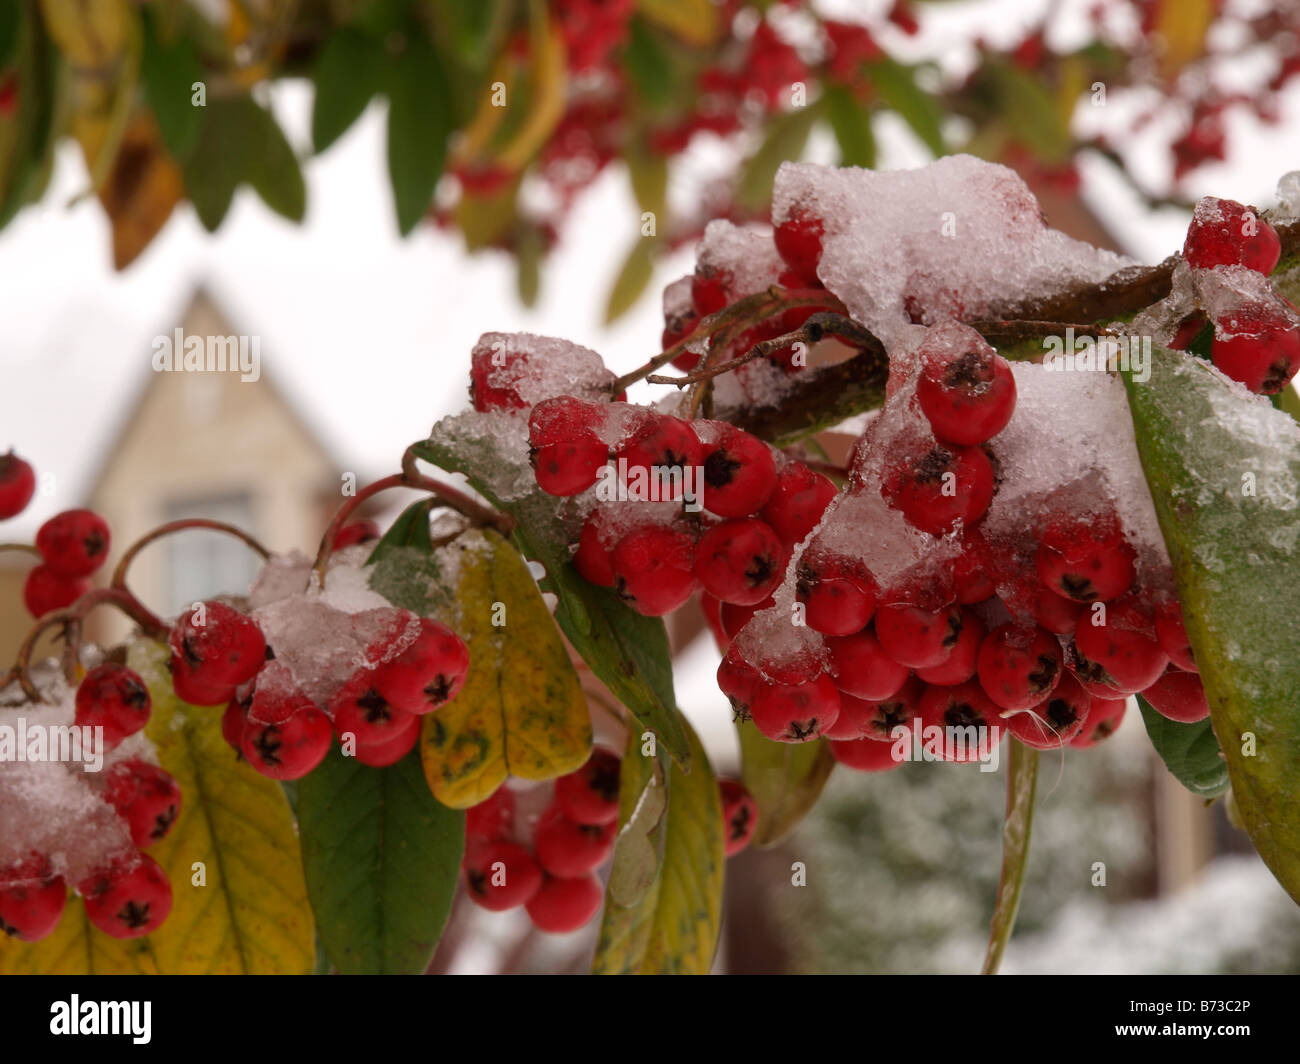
(91, 34)
(693, 21)
(522, 710)
(663, 908)
(1181, 26)
(546, 100)
(141, 188)
(251, 916)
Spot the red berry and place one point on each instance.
(739, 681)
(501, 876)
(146, 796)
(1258, 344)
(594, 555)
(1179, 696)
(233, 721)
(1226, 233)
(739, 816)
(852, 720)
(566, 454)
(961, 663)
(361, 711)
(1171, 634)
(838, 593)
(1103, 719)
(795, 712)
(962, 708)
(568, 849)
(709, 289)
(966, 390)
(972, 572)
(733, 617)
(190, 686)
(862, 668)
(428, 673)
(739, 473)
(941, 487)
(1019, 667)
(1055, 721)
(865, 755)
(658, 454)
(740, 561)
(675, 331)
(1085, 558)
(393, 749)
(797, 502)
(222, 646)
(114, 698)
(129, 898)
(44, 590)
(562, 905)
(917, 638)
(355, 532)
(876, 720)
(31, 898)
(1051, 611)
(799, 242)
(590, 795)
(291, 748)
(1119, 656)
(493, 378)
(17, 485)
(654, 569)
(493, 817)
(74, 543)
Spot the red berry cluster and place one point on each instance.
(548, 863)
(548, 867)
(736, 551)
(1256, 333)
(592, 29)
(72, 546)
(277, 727)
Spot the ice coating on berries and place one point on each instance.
(746, 254)
(913, 240)
(55, 807)
(529, 368)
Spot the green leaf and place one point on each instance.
(649, 66)
(633, 279)
(419, 122)
(10, 30)
(628, 652)
(667, 924)
(411, 529)
(382, 859)
(471, 26)
(648, 173)
(168, 71)
(785, 779)
(240, 142)
(1189, 751)
(1032, 114)
(1224, 473)
(347, 75)
(896, 85)
(1022, 781)
(851, 123)
(529, 249)
(27, 145)
(786, 138)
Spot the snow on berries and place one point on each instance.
(78, 805)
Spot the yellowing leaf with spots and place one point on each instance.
(521, 711)
(239, 898)
(663, 906)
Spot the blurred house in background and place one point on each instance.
(196, 444)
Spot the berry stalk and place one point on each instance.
(118, 579)
(1022, 780)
